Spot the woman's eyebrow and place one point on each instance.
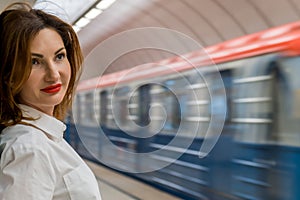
(41, 56)
(37, 55)
(56, 52)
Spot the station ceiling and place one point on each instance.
(5, 3)
(134, 32)
(207, 22)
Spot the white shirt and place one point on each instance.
(38, 164)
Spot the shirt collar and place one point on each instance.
(50, 125)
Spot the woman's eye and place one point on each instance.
(60, 56)
(35, 61)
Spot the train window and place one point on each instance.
(120, 109)
(144, 105)
(110, 121)
(221, 90)
(89, 108)
(160, 109)
(196, 113)
(76, 112)
(252, 102)
(133, 107)
(103, 108)
(177, 96)
(166, 104)
(81, 108)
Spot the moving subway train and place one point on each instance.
(222, 125)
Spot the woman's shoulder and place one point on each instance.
(22, 143)
(23, 135)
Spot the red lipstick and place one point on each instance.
(52, 88)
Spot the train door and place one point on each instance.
(119, 152)
(253, 117)
(286, 129)
(219, 158)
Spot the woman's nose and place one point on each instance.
(52, 73)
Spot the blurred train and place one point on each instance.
(152, 121)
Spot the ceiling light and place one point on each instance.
(104, 4)
(82, 22)
(76, 28)
(93, 13)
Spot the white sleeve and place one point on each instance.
(26, 173)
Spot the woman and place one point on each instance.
(40, 62)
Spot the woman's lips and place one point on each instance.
(52, 88)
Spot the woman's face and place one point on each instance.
(50, 74)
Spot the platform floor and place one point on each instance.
(115, 186)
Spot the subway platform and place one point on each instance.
(115, 186)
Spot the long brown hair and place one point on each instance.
(19, 24)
